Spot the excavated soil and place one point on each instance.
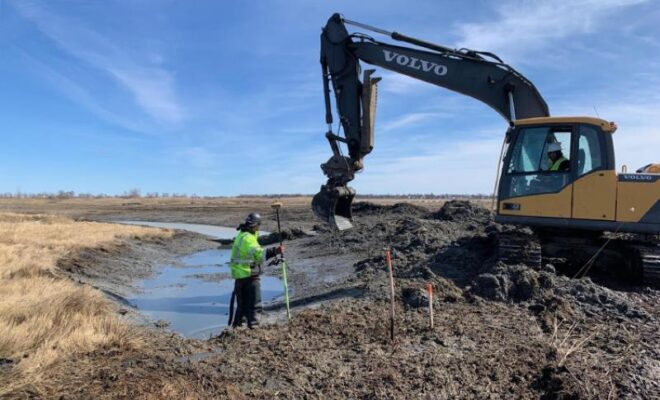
(501, 331)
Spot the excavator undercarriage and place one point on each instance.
(626, 258)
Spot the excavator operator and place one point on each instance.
(558, 162)
(246, 264)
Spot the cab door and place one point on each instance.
(529, 188)
(594, 189)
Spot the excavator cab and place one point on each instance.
(586, 194)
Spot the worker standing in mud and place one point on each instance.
(246, 264)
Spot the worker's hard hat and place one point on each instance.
(554, 147)
(252, 220)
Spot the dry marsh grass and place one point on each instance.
(45, 317)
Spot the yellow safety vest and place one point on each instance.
(556, 164)
(245, 254)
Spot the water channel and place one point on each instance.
(193, 296)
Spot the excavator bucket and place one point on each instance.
(333, 205)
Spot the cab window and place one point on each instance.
(539, 161)
(590, 156)
(527, 153)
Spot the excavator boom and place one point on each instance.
(480, 75)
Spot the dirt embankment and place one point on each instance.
(115, 268)
(501, 331)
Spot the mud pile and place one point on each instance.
(454, 249)
(448, 248)
(287, 234)
(364, 208)
(462, 210)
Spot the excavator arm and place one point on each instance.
(480, 75)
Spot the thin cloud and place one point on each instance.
(151, 85)
(77, 93)
(408, 120)
(523, 25)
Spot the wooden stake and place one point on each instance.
(429, 287)
(389, 267)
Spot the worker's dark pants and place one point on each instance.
(248, 297)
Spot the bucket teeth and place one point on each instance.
(333, 205)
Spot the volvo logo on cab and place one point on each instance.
(638, 177)
(415, 63)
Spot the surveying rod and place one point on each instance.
(277, 206)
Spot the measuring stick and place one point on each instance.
(285, 279)
(389, 267)
(286, 289)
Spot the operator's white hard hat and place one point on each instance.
(554, 147)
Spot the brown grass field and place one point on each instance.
(45, 317)
(90, 208)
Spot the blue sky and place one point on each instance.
(224, 97)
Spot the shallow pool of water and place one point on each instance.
(193, 306)
(193, 296)
(218, 232)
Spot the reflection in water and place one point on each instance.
(218, 232)
(193, 307)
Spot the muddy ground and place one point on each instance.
(501, 331)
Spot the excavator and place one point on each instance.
(555, 175)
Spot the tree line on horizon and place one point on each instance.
(136, 194)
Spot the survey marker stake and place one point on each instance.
(429, 288)
(277, 206)
(388, 257)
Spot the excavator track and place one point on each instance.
(517, 248)
(642, 257)
(650, 263)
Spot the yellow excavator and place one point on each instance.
(557, 174)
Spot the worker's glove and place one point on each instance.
(275, 261)
(280, 249)
(272, 252)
